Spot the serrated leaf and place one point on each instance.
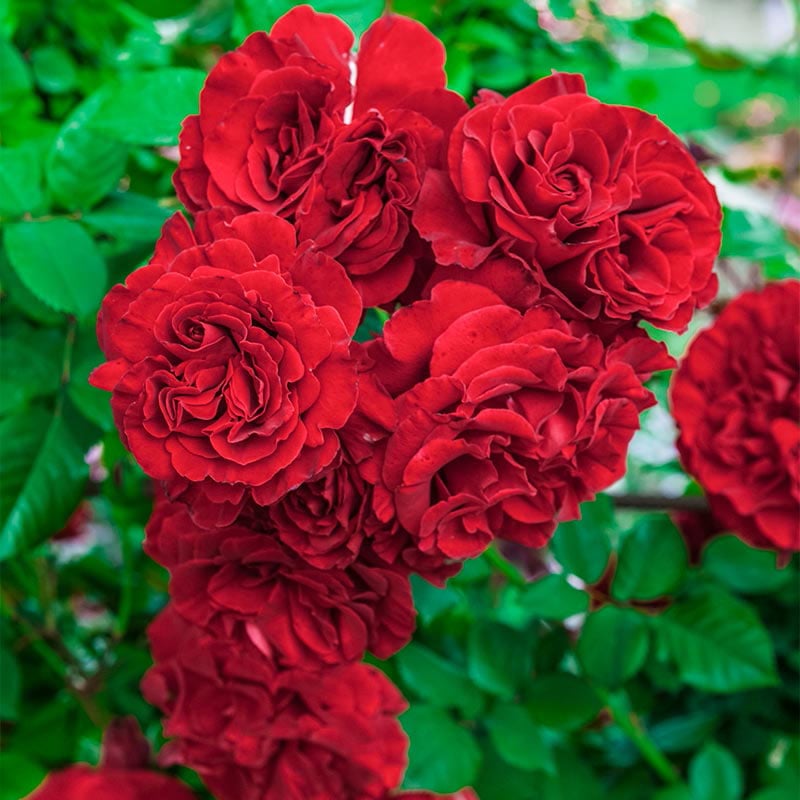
(442, 755)
(714, 774)
(83, 166)
(718, 643)
(613, 645)
(148, 107)
(500, 659)
(20, 181)
(652, 560)
(583, 547)
(742, 568)
(42, 476)
(59, 263)
(562, 701)
(518, 739)
(435, 680)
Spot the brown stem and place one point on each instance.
(658, 502)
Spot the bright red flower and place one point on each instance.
(229, 360)
(281, 129)
(736, 400)
(507, 420)
(82, 782)
(253, 732)
(240, 581)
(602, 205)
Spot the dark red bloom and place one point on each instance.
(507, 420)
(736, 400)
(229, 360)
(242, 582)
(82, 782)
(253, 732)
(602, 204)
(281, 129)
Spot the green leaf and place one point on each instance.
(613, 645)
(94, 404)
(371, 325)
(20, 181)
(500, 659)
(42, 476)
(676, 792)
(83, 166)
(148, 107)
(20, 776)
(128, 217)
(718, 643)
(53, 69)
(742, 568)
(59, 263)
(518, 739)
(652, 560)
(442, 756)
(437, 681)
(550, 597)
(573, 779)
(583, 547)
(16, 82)
(562, 9)
(714, 774)
(9, 685)
(30, 366)
(432, 601)
(562, 701)
(750, 235)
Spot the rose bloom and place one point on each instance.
(253, 732)
(602, 205)
(229, 360)
(82, 782)
(281, 129)
(736, 400)
(241, 582)
(507, 420)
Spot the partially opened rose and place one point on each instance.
(229, 360)
(240, 581)
(736, 400)
(253, 732)
(285, 127)
(507, 420)
(602, 204)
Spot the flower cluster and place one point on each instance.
(738, 410)
(305, 474)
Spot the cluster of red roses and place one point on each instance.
(516, 244)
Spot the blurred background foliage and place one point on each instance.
(633, 658)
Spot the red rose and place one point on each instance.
(272, 135)
(252, 732)
(82, 782)
(736, 400)
(464, 794)
(602, 204)
(241, 582)
(507, 421)
(229, 360)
